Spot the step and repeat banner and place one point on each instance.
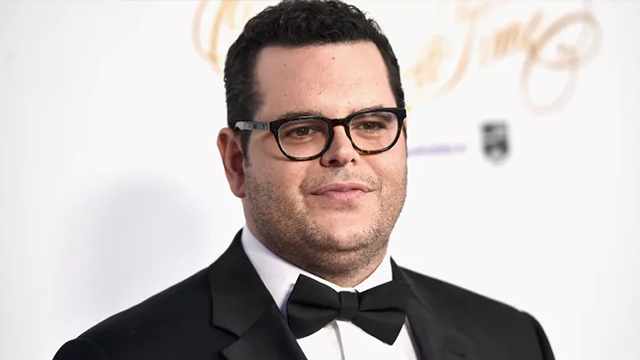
(524, 158)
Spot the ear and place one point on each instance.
(232, 160)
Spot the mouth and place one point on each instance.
(342, 192)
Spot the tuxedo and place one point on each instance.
(226, 312)
(338, 339)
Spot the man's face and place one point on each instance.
(284, 203)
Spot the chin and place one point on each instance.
(346, 236)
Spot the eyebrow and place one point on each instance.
(309, 112)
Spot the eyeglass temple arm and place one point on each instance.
(252, 125)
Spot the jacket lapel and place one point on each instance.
(269, 338)
(436, 334)
(243, 306)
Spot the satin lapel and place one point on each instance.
(436, 335)
(242, 305)
(268, 339)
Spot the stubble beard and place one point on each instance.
(292, 234)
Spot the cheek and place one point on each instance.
(394, 178)
(393, 169)
(284, 178)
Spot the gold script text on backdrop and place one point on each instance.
(428, 79)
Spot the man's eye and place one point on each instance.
(370, 126)
(301, 132)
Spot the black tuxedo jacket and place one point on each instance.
(225, 312)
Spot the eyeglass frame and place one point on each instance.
(275, 125)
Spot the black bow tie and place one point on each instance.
(380, 311)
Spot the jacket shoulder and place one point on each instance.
(167, 307)
(499, 327)
(458, 298)
(168, 325)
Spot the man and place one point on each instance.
(316, 149)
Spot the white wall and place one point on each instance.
(111, 188)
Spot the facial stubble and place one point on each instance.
(290, 232)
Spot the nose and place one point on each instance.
(341, 151)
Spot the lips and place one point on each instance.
(342, 187)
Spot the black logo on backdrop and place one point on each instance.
(495, 140)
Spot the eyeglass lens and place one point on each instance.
(369, 132)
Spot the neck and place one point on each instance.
(346, 271)
(350, 279)
(343, 268)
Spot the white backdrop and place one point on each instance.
(111, 187)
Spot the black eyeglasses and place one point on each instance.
(307, 137)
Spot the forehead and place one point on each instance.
(333, 79)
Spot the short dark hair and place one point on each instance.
(297, 23)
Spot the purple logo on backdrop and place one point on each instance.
(495, 140)
(437, 149)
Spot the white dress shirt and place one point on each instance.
(338, 340)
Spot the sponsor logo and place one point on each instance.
(495, 141)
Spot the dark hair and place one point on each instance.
(297, 23)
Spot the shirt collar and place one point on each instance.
(279, 276)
